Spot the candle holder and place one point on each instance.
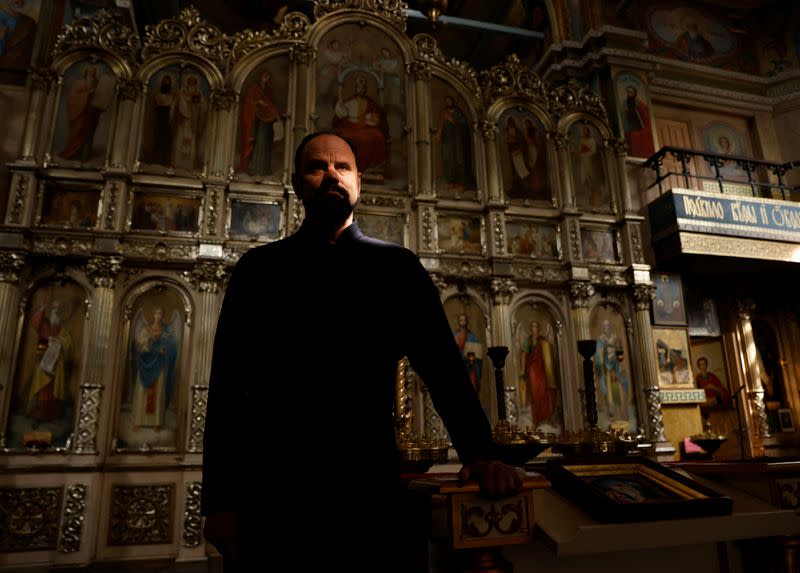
(513, 446)
(419, 453)
(709, 440)
(592, 440)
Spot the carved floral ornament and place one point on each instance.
(428, 50)
(188, 32)
(575, 96)
(103, 30)
(391, 10)
(512, 78)
(294, 26)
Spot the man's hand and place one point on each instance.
(220, 530)
(495, 478)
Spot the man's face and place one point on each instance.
(462, 321)
(329, 184)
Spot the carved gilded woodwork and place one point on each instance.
(573, 97)
(392, 11)
(102, 30)
(141, 515)
(198, 418)
(427, 48)
(190, 33)
(512, 79)
(293, 26)
(11, 265)
(88, 418)
(29, 518)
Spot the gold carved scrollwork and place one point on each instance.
(428, 49)
(576, 96)
(224, 99)
(130, 90)
(19, 200)
(188, 32)
(192, 531)
(538, 273)
(111, 209)
(103, 30)
(141, 515)
(620, 146)
(391, 10)
(294, 26)
(381, 201)
(440, 282)
(30, 518)
(102, 271)
(302, 54)
(466, 269)
(643, 296)
(11, 263)
(580, 292)
(503, 290)
(560, 139)
(636, 244)
(72, 524)
(41, 78)
(198, 421)
(512, 78)
(488, 129)
(575, 239)
(420, 70)
(427, 228)
(206, 277)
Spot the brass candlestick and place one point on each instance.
(592, 440)
(513, 445)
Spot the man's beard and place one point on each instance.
(330, 208)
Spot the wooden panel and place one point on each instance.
(675, 134)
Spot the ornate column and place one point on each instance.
(489, 131)
(503, 290)
(755, 413)
(11, 265)
(579, 293)
(565, 178)
(102, 272)
(643, 294)
(129, 91)
(302, 55)
(205, 278)
(621, 152)
(41, 79)
(422, 77)
(224, 100)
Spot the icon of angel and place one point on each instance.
(154, 350)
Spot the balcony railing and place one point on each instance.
(716, 172)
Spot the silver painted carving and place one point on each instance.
(512, 410)
(198, 421)
(41, 78)
(72, 522)
(380, 201)
(756, 398)
(580, 292)
(465, 269)
(655, 418)
(427, 228)
(499, 234)
(19, 199)
(643, 296)
(503, 290)
(192, 530)
(88, 418)
(302, 54)
(29, 518)
(224, 99)
(141, 515)
(575, 96)
(60, 245)
(111, 209)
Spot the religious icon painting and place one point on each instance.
(668, 306)
(460, 234)
(361, 95)
(263, 105)
(19, 22)
(689, 34)
(534, 240)
(165, 212)
(587, 159)
(710, 373)
(468, 324)
(253, 220)
(523, 155)
(149, 397)
(674, 361)
(70, 206)
(535, 368)
(614, 387)
(599, 245)
(83, 120)
(176, 118)
(386, 227)
(48, 367)
(723, 138)
(634, 113)
(453, 164)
